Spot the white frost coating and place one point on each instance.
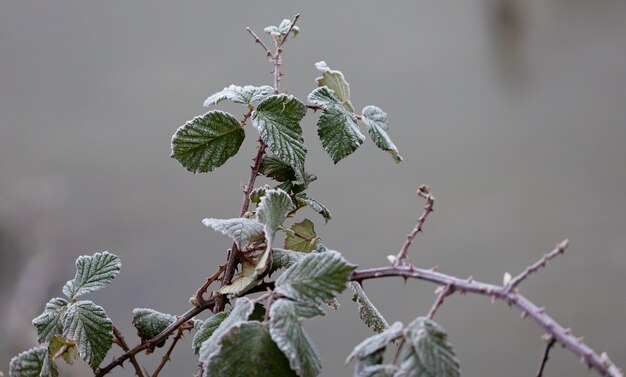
(241, 230)
(272, 211)
(245, 95)
(376, 121)
(335, 81)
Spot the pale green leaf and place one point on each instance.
(47, 323)
(251, 275)
(89, 327)
(303, 199)
(301, 237)
(258, 193)
(279, 32)
(376, 121)
(367, 311)
(431, 350)
(277, 118)
(241, 229)
(372, 361)
(378, 371)
(336, 82)
(277, 169)
(376, 343)
(149, 323)
(30, 363)
(246, 95)
(247, 349)
(315, 277)
(272, 211)
(337, 127)
(92, 273)
(207, 329)
(57, 343)
(206, 142)
(282, 258)
(242, 310)
(290, 337)
(49, 367)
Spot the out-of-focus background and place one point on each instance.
(513, 111)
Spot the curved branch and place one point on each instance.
(599, 363)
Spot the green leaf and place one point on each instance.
(272, 211)
(301, 237)
(241, 229)
(378, 371)
(149, 323)
(251, 275)
(277, 119)
(316, 277)
(30, 363)
(206, 142)
(242, 310)
(336, 82)
(376, 343)
(367, 311)
(290, 337)
(56, 344)
(276, 169)
(303, 199)
(92, 273)
(257, 194)
(429, 350)
(282, 258)
(247, 349)
(376, 121)
(89, 327)
(47, 323)
(337, 127)
(246, 95)
(279, 32)
(362, 365)
(207, 329)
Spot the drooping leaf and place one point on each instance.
(206, 142)
(428, 351)
(376, 121)
(247, 349)
(277, 169)
(378, 371)
(376, 342)
(89, 327)
(316, 277)
(290, 337)
(251, 275)
(277, 118)
(336, 82)
(57, 343)
(301, 237)
(241, 311)
(337, 127)
(30, 363)
(316, 206)
(272, 211)
(47, 323)
(367, 311)
(49, 366)
(92, 273)
(246, 95)
(149, 323)
(241, 229)
(207, 329)
(282, 258)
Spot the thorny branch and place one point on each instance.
(168, 354)
(560, 249)
(600, 363)
(424, 192)
(443, 293)
(119, 339)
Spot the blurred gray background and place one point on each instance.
(513, 111)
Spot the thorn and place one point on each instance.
(568, 330)
(541, 309)
(493, 299)
(580, 339)
(524, 314)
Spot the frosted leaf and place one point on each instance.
(246, 95)
(367, 311)
(336, 82)
(92, 273)
(376, 121)
(149, 323)
(241, 229)
(89, 327)
(47, 323)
